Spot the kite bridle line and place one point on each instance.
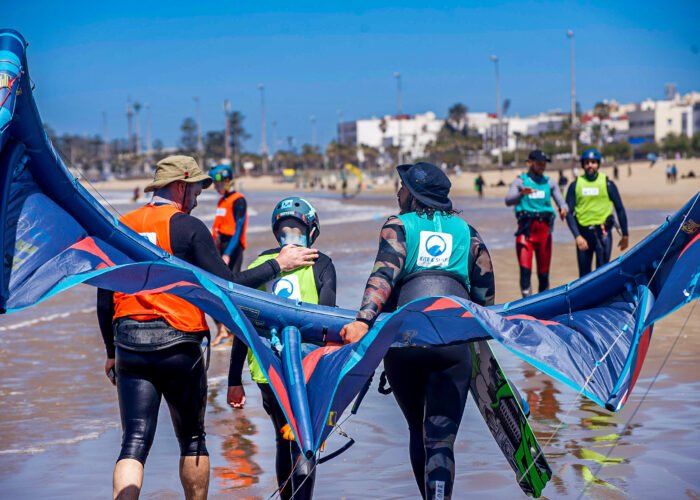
(278, 492)
(641, 401)
(600, 361)
(84, 177)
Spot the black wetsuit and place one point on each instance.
(154, 360)
(430, 384)
(288, 457)
(599, 238)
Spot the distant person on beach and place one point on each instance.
(479, 185)
(563, 180)
(531, 194)
(136, 194)
(153, 342)
(591, 199)
(427, 250)
(616, 172)
(294, 222)
(229, 228)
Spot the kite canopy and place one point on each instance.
(592, 334)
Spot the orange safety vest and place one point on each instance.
(153, 222)
(225, 222)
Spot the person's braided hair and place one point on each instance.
(422, 209)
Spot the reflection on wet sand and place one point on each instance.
(238, 450)
(545, 409)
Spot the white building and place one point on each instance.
(652, 121)
(515, 128)
(412, 133)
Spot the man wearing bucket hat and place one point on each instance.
(153, 341)
(427, 250)
(531, 194)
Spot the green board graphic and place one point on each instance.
(504, 417)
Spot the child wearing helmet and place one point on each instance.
(591, 198)
(229, 228)
(294, 222)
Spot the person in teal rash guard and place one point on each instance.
(294, 222)
(427, 250)
(531, 194)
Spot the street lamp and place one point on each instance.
(339, 113)
(137, 111)
(399, 106)
(312, 119)
(275, 142)
(494, 59)
(227, 129)
(200, 144)
(263, 128)
(149, 139)
(570, 36)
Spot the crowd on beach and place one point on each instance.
(153, 342)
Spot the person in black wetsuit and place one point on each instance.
(427, 250)
(153, 341)
(294, 222)
(591, 198)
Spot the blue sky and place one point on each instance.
(319, 57)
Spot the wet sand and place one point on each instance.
(59, 420)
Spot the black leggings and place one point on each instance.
(599, 244)
(288, 456)
(236, 257)
(431, 386)
(176, 373)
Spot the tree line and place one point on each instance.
(457, 143)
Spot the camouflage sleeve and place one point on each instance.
(387, 266)
(481, 279)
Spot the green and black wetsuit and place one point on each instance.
(422, 256)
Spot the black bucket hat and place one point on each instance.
(428, 184)
(539, 155)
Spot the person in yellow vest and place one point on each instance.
(229, 228)
(591, 198)
(153, 341)
(294, 222)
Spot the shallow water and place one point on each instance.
(59, 420)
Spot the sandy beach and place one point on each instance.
(641, 185)
(60, 433)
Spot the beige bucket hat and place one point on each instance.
(178, 168)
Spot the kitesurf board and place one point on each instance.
(504, 416)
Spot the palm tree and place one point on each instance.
(311, 156)
(457, 117)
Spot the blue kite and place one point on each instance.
(592, 334)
